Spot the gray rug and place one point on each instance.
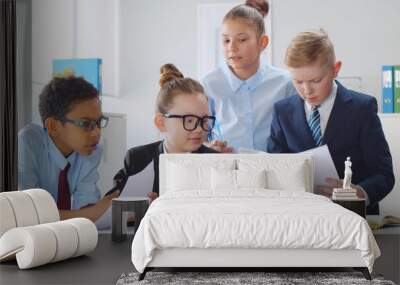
(226, 278)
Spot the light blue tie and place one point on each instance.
(315, 125)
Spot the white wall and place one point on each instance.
(152, 33)
(155, 32)
(149, 33)
(391, 127)
(366, 33)
(52, 37)
(113, 140)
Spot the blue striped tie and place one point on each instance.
(315, 126)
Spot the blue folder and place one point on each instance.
(88, 68)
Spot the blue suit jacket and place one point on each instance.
(353, 129)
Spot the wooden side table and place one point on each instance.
(357, 206)
(138, 205)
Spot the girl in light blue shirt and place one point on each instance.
(241, 90)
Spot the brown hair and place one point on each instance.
(173, 83)
(309, 47)
(253, 12)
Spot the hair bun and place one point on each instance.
(261, 6)
(169, 72)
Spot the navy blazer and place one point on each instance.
(353, 129)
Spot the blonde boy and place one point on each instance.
(325, 112)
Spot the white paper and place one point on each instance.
(141, 183)
(323, 164)
(138, 185)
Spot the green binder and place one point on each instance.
(397, 89)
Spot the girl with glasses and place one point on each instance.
(184, 121)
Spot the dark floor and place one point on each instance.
(102, 266)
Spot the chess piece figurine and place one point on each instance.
(347, 174)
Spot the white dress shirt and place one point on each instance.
(324, 109)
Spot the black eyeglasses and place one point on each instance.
(191, 122)
(88, 125)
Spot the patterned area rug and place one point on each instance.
(225, 278)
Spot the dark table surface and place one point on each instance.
(110, 259)
(104, 265)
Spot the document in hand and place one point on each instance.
(138, 185)
(323, 164)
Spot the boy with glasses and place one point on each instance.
(63, 156)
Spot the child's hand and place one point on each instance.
(152, 196)
(98, 209)
(111, 196)
(323, 190)
(91, 211)
(221, 146)
(327, 189)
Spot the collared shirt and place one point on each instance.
(40, 163)
(243, 108)
(164, 148)
(324, 109)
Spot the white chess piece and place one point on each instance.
(347, 174)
